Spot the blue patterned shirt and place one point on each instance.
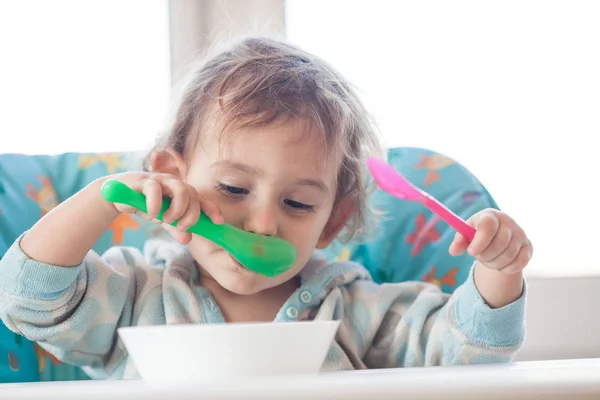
(75, 312)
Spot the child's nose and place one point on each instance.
(262, 222)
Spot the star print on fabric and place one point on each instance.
(448, 278)
(424, 234)
(432, 164)
(42, 355)
(120, 225)
(45, 197)
(113, 162)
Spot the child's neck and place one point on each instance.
(259, 307)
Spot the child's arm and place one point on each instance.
(55, 291)
(415, 324)
(502, 250)
(482, 322)
(66, 234)
(74, 313)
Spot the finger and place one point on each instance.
(520, 261)
(530, 246)
(498, 245)
(486, 225)
(459, 245)
(191, 214)
(507, 255)
(182, 237)
(124, 208)
(153, 192)
(180, 197)
(141, 214)
(212, 211)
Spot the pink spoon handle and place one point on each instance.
(452, 219)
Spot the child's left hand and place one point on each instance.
(499, 243)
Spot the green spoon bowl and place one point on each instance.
(265, 255)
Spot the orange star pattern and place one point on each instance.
(113, 162)
(45, 197)
(448, 279)
(42, 355)
(423, 234)
(432, 164)
(120, 225)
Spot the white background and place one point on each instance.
(88, 75)
(511, 89)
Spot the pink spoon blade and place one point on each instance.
(391, 181)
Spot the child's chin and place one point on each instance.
(240, 283)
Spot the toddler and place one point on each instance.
(274, 141)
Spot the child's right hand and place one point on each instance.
(186, 203)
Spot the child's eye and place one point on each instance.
(232, 190)
(297, 206)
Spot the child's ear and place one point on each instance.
(338, 219)
(168, 161)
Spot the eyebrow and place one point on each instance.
(234, 165)
(314, 183)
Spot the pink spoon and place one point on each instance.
(392, 182)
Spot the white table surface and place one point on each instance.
(569, 379)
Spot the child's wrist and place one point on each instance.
(498, 289)
(94, 190)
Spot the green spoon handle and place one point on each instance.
(264, 255)
(117, 192)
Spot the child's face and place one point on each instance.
(269, 180)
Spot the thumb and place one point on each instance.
(459, 245)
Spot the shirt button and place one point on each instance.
(291, 312)
(305, 296)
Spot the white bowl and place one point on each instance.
(211, 352)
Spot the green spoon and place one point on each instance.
(264, 255)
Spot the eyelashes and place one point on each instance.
(299, 206)
(239, 193)
(232, 190)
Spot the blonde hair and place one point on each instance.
(261, 81)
